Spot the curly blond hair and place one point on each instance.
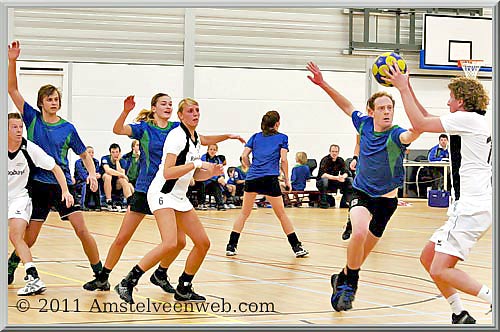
(471, 91)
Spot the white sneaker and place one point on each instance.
(32, 287)
(232, 206)
(254, 206)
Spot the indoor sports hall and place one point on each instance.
(239, 63)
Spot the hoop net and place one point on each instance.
(470, 67)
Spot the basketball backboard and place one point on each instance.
(447, 39)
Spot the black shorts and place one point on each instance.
(266, 185)
(46, 196)
(139, 203)
(381, 208)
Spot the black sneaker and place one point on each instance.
(11, 268)
(342, 297)
(230, 250)
(299, 251)
(334, 282)
(462, 318)
(124, 290)
(348, 229)
(97, 284)
(163, 283)
(186, 293)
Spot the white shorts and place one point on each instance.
(20, 208)
(159, 200)
(468, 220)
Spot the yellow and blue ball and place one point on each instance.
(383, 62)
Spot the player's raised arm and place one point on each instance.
(15, 95)
(317, 78)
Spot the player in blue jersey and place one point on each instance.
(151, 129)
(379, 175)
(56, 137)
(269, 149)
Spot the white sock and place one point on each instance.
(485, 294)
(455, 304)
(28, 265)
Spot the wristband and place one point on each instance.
(355, 158)
(197, 163)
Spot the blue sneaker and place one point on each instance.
(342, 297)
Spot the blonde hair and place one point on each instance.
(471, 91)
(186, 102)
(149, 115)
(301, 158)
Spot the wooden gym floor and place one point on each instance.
(263, 284)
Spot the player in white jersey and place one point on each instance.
(173, 211)
(470, 216)
(23, 157)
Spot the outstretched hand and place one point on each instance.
(314, 69)
(14, 50)
(128, 104)
(394, 75)
(238, 137)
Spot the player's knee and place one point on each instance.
(15, 236)
(425, 261)
(121, 240)
(82, 232)
(167, 246)
(203, 244)
(181, 243)
(436, 273)
(359, 234)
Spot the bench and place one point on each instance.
(297, 197)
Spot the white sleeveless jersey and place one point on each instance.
(18, 167)
(475, 168)
(179, 143)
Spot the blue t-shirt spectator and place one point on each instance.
(81, 173)
(300, 174)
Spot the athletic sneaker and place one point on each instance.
(186, 293)
(342, 296)
(124, 290)
(230, 250)
(34, 286)
(462, 318)
(334, 281)
(348, 229)
(299, 251)
(164, 283)
(97, 284)
(12, 266)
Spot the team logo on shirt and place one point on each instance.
(15, 172)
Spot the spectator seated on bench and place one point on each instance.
(301, 172)
(333, 175)
(82, 188)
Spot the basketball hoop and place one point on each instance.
(470, 67)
